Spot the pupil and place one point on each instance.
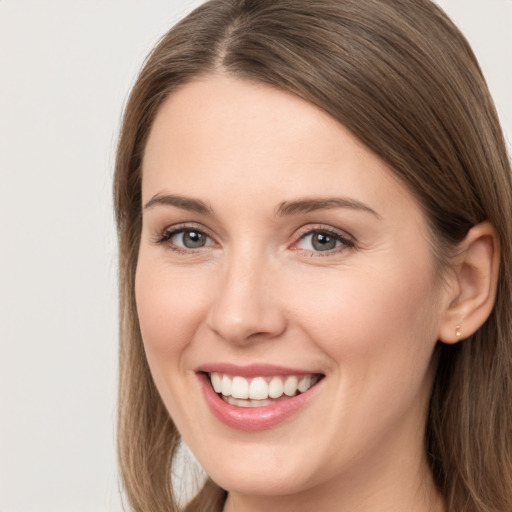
(323, 242)
(193, 239)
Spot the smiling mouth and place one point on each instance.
(260, 391)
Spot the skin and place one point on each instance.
(366, 314)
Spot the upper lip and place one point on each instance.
(253, 370)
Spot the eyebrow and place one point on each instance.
(185, 203)
(307, 205)
(286, 208)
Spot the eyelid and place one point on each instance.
(308, 228)
(347, 240)
(164, 236)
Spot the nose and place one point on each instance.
(246, 305)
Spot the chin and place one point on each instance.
(260, 481)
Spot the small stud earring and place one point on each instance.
(457, 332)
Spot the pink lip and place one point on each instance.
(252, 370)
(254, 418)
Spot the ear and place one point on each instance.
(472, 289)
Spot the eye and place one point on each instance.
(185, 239)
(321, 240)
(189, 238)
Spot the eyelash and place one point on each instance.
(166, 236)
(345, 241)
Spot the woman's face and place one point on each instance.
(279, 256)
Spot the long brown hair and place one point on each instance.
(403, 79)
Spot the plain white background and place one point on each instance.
(65, 70)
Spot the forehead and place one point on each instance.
(224, 138)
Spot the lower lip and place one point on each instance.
(255, 418)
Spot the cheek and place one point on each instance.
(170, 306)
(373, 317)
(379, 334)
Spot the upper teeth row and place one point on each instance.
(258, 388)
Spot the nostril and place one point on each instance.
(250, 327)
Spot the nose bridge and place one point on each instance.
(244, 306)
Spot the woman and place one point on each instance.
(313, 202)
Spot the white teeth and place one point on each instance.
(275, 388)
(216, 382)
(304, 383)
(290, 385)
(248, 403)
(226, 386)
(239, 388)
(260, 388)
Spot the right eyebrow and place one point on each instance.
(183, 202)
(306, 205)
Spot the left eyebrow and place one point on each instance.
(307, 205)
(183, 202)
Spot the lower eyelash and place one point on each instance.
(166, 236)
(347, 242)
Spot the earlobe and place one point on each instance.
(476, 279)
